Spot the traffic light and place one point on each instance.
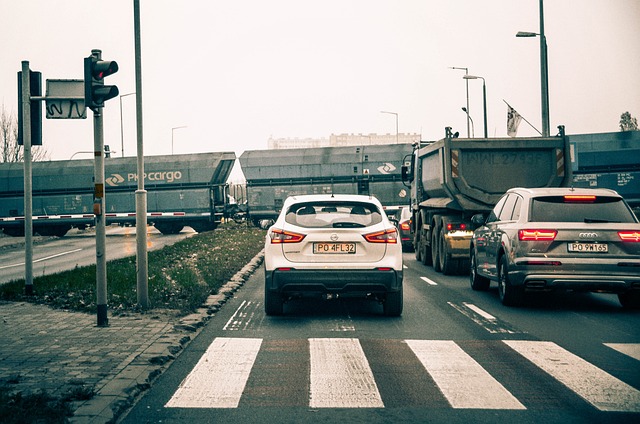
(35, 85)
(95, 70)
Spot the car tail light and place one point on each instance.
(629, 235)
(577, 198)
(405, 226)
(455, 227)
(386, 236)
(537, 235)
(280, 236)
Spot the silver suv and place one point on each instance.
(558, 238)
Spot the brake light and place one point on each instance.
(405, 226)
(280, 236)
(386, 236)
(455, 227)
(537, 235)
(633, 236)
(578, 198)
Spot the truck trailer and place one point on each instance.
(273, 175)
(455, 178)
(182, 190)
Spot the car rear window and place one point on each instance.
(599, 209)
(333, 215)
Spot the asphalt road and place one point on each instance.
(455, 356)
(77, 248)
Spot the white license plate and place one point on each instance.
(334, 248)
(588, 247)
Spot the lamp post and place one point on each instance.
(544, 72)
(121, 130)
(172, 130)
(466, 72)
(473, 130)
(484, 99)
(393, 113)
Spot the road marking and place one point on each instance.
(219, 377)
(433, 283)
(629, 349)
(341, 376)
(462, 381)
(42, 259)
(594, 385)
(242, 317)
(484, 319)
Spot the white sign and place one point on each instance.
(65, 99)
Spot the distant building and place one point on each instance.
(342, 140)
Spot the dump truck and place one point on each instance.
(182, 190)
(275, 174)
(453, 179)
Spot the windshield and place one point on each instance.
(333, 215)
(601, 209)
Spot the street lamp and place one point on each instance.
(473, 130)
(544, 72)
(393, 113)
(121, 130)
(466, 72)
(172, 130)
(484, 99)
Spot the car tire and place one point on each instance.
(273, 303)
(393, 304)
(509, 295)
(630, 299)
(478, 282)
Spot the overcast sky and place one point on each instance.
(238, 72)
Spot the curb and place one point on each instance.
(136, 374)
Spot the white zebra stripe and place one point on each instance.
(219, 377)
(341, 376)
(462, 381)
(594, 385)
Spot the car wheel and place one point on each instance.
(630, 299)
(392, 305)
(478, 282)
(273, 303)
(509, 295)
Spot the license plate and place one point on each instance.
(334, 248)
(588, 247)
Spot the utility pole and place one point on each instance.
(28, 202)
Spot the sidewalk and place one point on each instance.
(61, 352)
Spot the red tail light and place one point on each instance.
(633, 236)
(576, 198)
(280, 236)
(537, 235)
(455, 227)
(405, 226)
(386, 236)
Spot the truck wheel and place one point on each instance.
(392, 306)
(478, 282)
(509, 295)
(435, 247)
(273, 303)
(426, 255)
(418, 249)
(630, 299)
(447, 265)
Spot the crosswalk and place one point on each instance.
(351, 373)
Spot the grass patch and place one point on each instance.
(181, 276)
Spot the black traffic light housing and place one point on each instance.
(95, 70)
(35, 84)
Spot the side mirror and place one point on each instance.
(478, 220)
(406, 174)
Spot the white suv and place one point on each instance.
(331, 246)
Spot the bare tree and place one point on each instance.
(10, 151)
(628, 122)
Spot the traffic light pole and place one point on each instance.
(99, 212)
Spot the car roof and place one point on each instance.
(332, 198)
(561, 191)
